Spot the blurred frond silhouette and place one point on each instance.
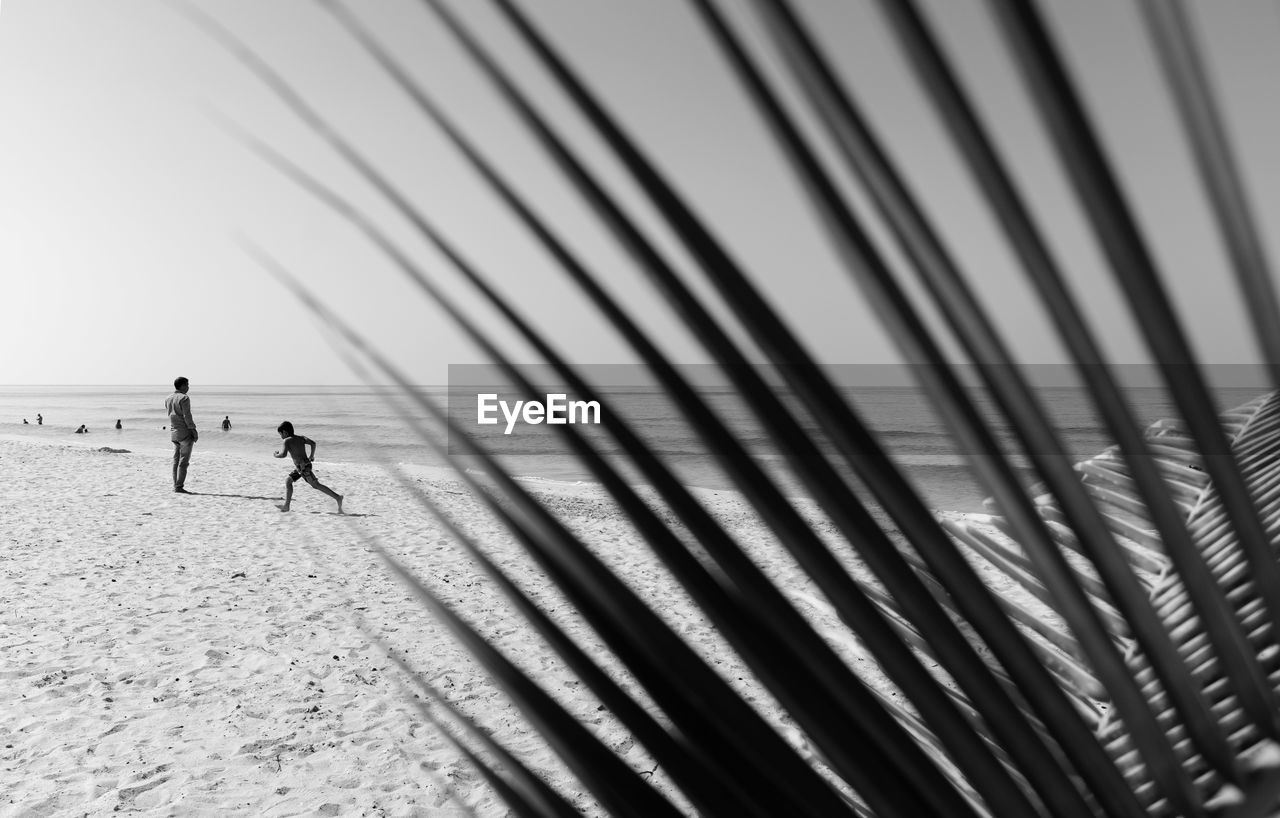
(1127, 661)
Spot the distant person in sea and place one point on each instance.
(82, 430)
(24, 422)
(183, 434)
(39, 420)
(118, 426)
(226, 422)
(295, 446)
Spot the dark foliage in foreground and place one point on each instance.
(1154, 690)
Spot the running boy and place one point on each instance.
(295, 447)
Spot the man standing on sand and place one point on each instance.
(184, 433)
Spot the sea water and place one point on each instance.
(371, 425)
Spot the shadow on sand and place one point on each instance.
(333, 513)
(271, 499)
(232, 496)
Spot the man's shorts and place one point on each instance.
(302, 472)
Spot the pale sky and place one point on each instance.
(120, 197)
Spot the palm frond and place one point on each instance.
(1128, 666)
(1072, 328)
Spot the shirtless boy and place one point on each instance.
(295, 446)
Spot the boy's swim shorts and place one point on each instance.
(302, 472)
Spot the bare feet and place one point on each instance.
(340, 496)
(180, 491)
(283, 508)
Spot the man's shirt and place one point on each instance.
(179, 407)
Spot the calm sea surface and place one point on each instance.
(358, 424)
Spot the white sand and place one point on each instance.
(203, 655)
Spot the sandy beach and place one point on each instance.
(210, 655)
